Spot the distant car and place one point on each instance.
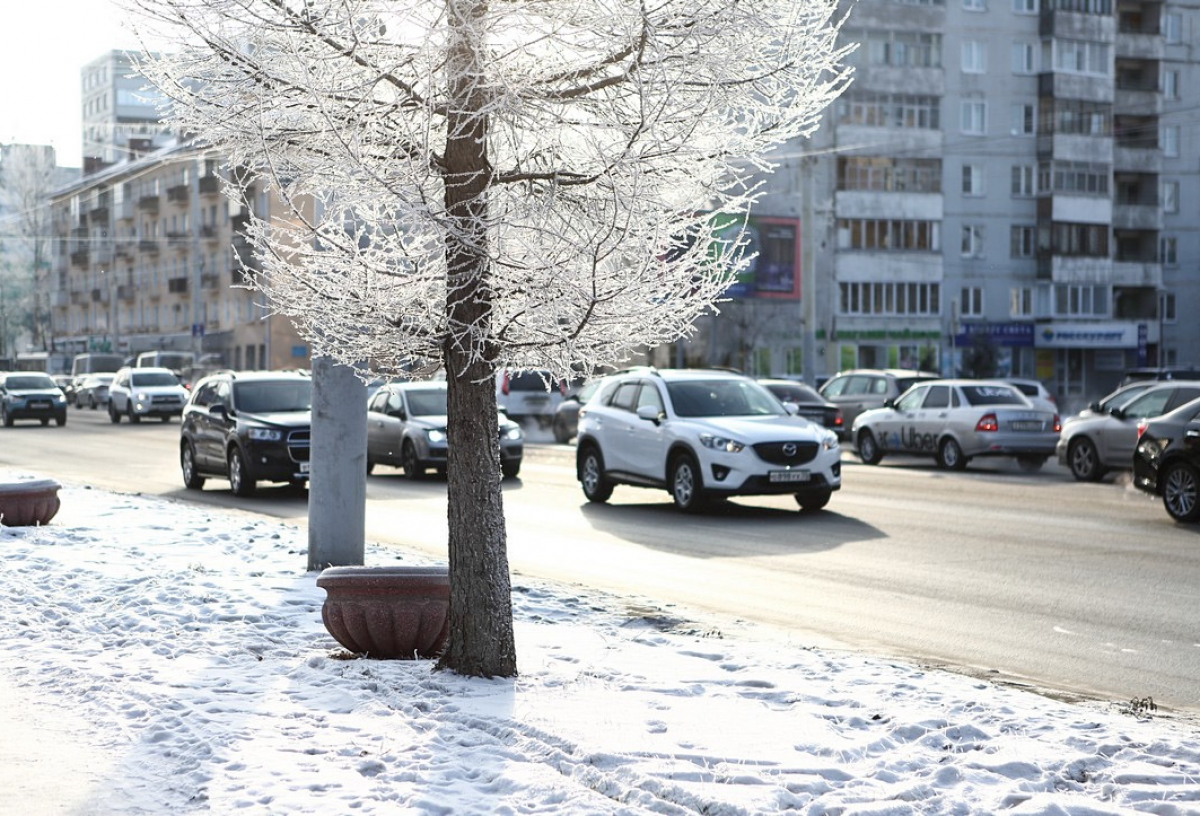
(1036, 391)
(30, 395)
(1118, 398)
(955, 421)
(1166, 461)
(66, 384)
(806, 402)
(1092, 445)
(1140, 374)
(93, 391)
(703, 436)
(529, 395)
(247, 427)
(406, 428)
(145, 392)
(566, 416)
(862, 389)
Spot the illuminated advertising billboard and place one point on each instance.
(774, 269)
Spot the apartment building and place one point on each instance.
(149, 255)
(120, 113)
(1007, 179)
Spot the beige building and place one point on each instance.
(150, 255)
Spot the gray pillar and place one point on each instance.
(337, 494)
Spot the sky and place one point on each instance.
(166, 658)
(44, 45)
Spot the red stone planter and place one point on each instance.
(23, 504)
(393, 613)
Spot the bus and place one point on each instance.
(95, 363)
(47, 362)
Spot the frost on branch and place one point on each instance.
(613, 132)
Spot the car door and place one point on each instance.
(1118, 438)
(932, 418)
(647, 451)
(391, 424)
(894, 428)
(375, 424)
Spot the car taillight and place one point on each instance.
(987, 423)
(1057, 424)
(1142, 425)
(837, 419)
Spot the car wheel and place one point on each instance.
(410, 463)
(1084, 461)
(1181, 492)
(950, 455)
(687, 486)
(113, 416)
(596, 487)
(561, 435)
(370, 466)
(134, 419)
(240, 481)
(187, 463)
(1031, 464)
(91, 402)
(812, 502)
(61, 419)
(868, 448)
(510, 469)
(45, 421)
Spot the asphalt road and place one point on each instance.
(1034, 579)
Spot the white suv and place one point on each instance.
(145, 392)
(702, 435)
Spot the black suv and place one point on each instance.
(247, 426)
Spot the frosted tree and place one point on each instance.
(487, 184)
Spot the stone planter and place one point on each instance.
(392, 613)
(27, 503)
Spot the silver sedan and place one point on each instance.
(957, 420)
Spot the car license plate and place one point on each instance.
(790, 476)
(1026, 425)
(304, 467)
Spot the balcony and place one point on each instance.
(178, 240)
(210, 280)
(1137, 217)
(79, 257)
(179, 193)
(147, 245)
(148, 203)
(1137, 274)
(210, 185)
(78, 298)
(177, 285)
(99, 295)
(123, 250)
(99, 211)
(127, 291)
(208, 231)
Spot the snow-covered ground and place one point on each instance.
(180, 652)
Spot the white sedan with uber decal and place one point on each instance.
(955, 421)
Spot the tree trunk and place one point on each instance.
(481, 639)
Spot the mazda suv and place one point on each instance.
(703, 436)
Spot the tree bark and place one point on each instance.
(481, 641)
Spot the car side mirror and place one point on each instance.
(889, 403)
(398, 413)
(792, 408)
(1094, 407)
(1117, 412)
(649, 413)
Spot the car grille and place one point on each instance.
(298, 443)
(166, 399)
(787, 453)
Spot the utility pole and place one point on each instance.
(807, 272)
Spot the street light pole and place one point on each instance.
(807, 272)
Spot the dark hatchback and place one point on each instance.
(247, 427)
(31, 396)
(1166, 461)
(806, 402)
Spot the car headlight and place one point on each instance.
(60, 398)
(265, 434)
(830, 442)
(142, 397)
(721, 443)
(435, 435)
(512, 432)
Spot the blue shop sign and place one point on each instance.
(998, 334)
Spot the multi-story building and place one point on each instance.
(120, 113)
(149, 255)
(1007, 185)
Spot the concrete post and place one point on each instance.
(337, 494)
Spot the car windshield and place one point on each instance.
(273, 397)
(29, 382)
(717, 398)
(992, 395)
(152, 379)
(429, 402)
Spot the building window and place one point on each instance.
(1168, 307)
(898, 49)
(1170, 84)
(1076, 240)
(889, 110)
(1170, 140)
(971, 302)
(1168, 251)
(868, 233)
(1172, 28)
(972, 180)
(1022, 241)
(887, 174)
(1024, 58)
(1170, 196)
(1024, 120)
(1074, 177)
(1080, 300)
(974, 117)
(1075, 116)
(1023, 176)
(1025, 6)
(974, 5)
(1020, 302)
(972, 241)
(974, 57)
(1080, 57)
(889, 298)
